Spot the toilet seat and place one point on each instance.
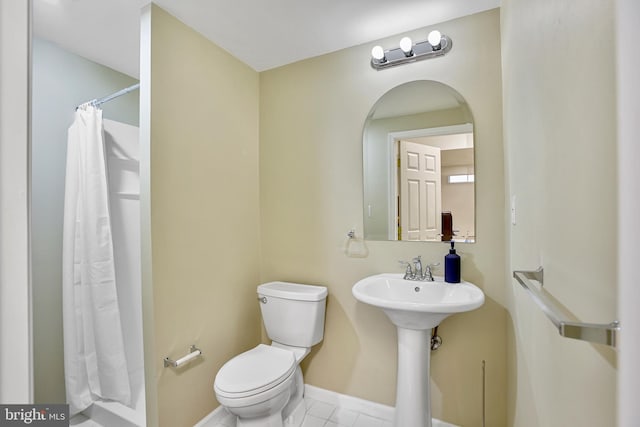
(254, 371)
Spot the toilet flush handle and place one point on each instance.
(262, 300)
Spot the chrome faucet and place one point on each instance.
(417, 272)
(417, 268)
(408, 274)
(428, 275)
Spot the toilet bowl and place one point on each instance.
(264, 385)
(257, 385)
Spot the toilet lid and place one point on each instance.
(254, 371)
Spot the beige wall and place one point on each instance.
(559, 122)
(311, 119)
(204, 211)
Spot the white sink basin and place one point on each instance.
(415, 304)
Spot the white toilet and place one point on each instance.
(264, 385)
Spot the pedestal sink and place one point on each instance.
(415, 307)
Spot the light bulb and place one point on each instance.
(406, 44)
(377, 53)
(434, 38)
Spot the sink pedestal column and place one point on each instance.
(413, 400)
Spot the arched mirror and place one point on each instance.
(418, 161)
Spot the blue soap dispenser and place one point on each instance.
(452, 266)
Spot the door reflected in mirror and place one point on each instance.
(418, 157)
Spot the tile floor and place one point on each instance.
(322, 414)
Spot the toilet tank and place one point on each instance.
(293, 313)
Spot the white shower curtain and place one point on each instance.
(94, 357)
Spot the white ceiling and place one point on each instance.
(262, 33)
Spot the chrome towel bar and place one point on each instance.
(593, 332)
(193, 353)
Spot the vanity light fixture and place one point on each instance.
(377, 53)
(407, 46)
(437, 44)
(435, 39)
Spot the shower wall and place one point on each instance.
(61, 80)
(122, 147)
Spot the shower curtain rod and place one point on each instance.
(97, 102)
